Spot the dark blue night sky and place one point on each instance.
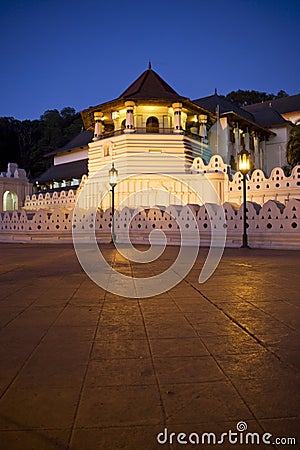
(81, 53)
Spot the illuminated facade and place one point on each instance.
(150, 121)
(14, 187)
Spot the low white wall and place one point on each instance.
(260, 189)
(273, 225)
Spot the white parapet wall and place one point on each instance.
(273, 225)
(260, 188)
(51, 200)
(188, 187)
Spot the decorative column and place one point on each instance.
(177, 107)
(237, 140)
(129, 124)
(247, 140)
(262, 154)
(98, 117)
(202, 127)
(256, 152)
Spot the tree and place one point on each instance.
(293, 146)
(281, 94)
(9, 142)
(244, 98)
(27, 142)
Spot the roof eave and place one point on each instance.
(250, 122)
(88, 119)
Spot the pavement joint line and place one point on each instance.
(16, 291)
(24, 364)
(20, 313)
(265, 312)
(229, 380)
(266, 415)
(12, 270)
(273, 317)
(258, 420)
(245, 329)
(35, 348)
(226, 377)
(71, 435)
(152, 360)
(218, 364)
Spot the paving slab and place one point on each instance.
(83, 368)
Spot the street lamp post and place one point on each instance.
(244, 167)
(113, 179)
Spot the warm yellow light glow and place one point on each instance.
(244, 161)
(113, 175)
(195, 118)
(115, 115)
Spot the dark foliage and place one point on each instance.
(293, 147)
(27, 142)
(244, 98)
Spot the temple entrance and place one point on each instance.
(152, 125)
(10, 201)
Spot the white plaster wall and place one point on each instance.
(271, 226)
(20, 186)
(139, 144)
(276, 149)
(70, 157)
(260, 189)
(219, 139)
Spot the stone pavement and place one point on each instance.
(81, 368)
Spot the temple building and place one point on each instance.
(150, 116)
(148, 124)
(14, 187)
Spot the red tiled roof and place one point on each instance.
(150, 85)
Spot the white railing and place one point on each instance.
(273, 225)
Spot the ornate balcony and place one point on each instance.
(152, 130)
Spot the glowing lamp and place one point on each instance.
(113, 176)
(244, 161)
(244, 167)
(113, 179)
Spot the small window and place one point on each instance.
(152, 125)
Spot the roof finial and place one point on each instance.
(216, 92)
(149, 65)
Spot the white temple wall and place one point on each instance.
(260, 189)
(200, 178)
(273, 225)
(275, 153)
(103, 152)
(16, 185)
(70, 157)
(219, 139)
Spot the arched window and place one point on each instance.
(123, 124)
(152, 125)
(10, 201)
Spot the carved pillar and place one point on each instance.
(237, 139)
(262, 154)
(177, 107)
(202, 127)
(98, 116)
(247, 141)
(256, 152)
(129, 124)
